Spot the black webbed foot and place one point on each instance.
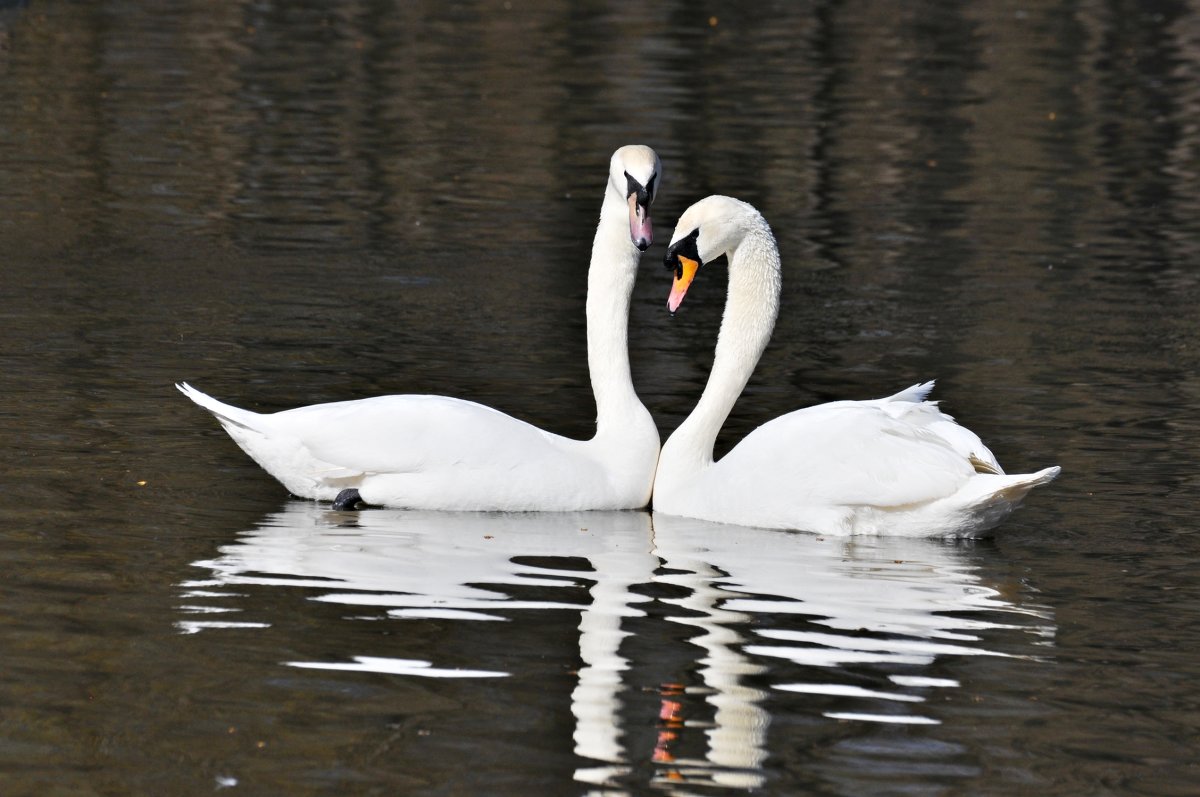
(347, 500)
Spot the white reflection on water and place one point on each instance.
(866, 607)
(397, 667)
(897, 601)
(427, 565)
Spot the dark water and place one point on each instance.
(288, 203)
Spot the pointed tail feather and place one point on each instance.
(1025, 482)
(1011, 488)
(991, 498)
(225, 413)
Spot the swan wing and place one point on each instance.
(848, 453)
(414, 433)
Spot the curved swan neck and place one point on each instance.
(610, 284)
(751, 308)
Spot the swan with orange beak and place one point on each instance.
(895, 466)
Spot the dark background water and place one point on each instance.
(291, 203)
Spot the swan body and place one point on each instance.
(896, 465)
(436, 452)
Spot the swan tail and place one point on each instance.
(228, 415)
(1021, 483)
(991, 498)
(280, 454)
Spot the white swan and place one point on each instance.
(434, 452)
(891, 466)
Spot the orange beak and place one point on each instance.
(683, 280)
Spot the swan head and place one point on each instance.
(634, 175)
(709, 229)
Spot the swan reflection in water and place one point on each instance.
(765, 605)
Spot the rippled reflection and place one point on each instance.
(847, 630)
(885, 601)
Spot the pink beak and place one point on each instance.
(641, 232)
(675, 299)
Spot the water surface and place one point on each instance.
(288, 204)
